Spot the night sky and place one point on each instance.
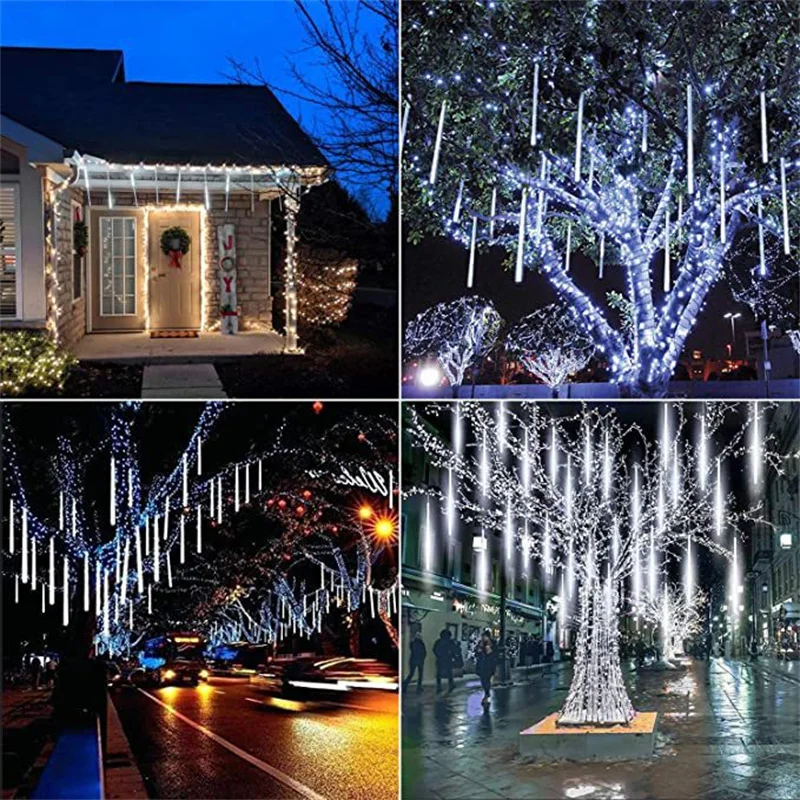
(437, 271)
(180, 42)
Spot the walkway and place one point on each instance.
(727, 730)
(181, 381)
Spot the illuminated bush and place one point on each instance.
(326, 280)
(31, 360)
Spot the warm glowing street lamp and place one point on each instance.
(384, 528)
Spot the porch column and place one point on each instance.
(292, 203)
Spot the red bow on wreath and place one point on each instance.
(175, 258)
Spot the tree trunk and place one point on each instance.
(649, 377)
(597, 694)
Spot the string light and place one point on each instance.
(624, 204)
(587, 539)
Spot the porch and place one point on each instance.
(140, 348)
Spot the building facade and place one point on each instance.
(454, 580)
(775, 546)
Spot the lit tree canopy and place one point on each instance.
(678, 616)
(550, 343)
(457, 333)
(603, 502)
(115, 531)
(630, 131)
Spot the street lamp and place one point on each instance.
(732, 317)
(430, 375)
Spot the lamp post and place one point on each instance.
(732, 317)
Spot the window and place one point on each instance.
(9, 249)
(77, 258)
(118, 266)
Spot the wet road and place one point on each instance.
(222, 741)
(727, 731)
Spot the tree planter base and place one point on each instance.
(546, 741)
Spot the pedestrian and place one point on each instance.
(485, 666)
(536, 650)
(639, 651)
(35, 670)
(444, 653)
(753, 649)
(549, 652)
(80, 694)
(416, 660)
(50, 672)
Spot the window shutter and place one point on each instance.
(9, 249)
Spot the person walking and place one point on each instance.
(35, 667)
(485, 666)
(416, 660)
(50, 672)
(444, 653)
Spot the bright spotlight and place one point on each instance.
(430, 375)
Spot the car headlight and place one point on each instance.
(203, 673)
(169, 674)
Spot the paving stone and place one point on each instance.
(734, 737)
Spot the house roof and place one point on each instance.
(80, 98)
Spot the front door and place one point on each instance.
(174, 291)
(117, 270)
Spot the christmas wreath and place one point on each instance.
(175, 244)
(80, 237)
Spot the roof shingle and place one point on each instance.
(70, 96)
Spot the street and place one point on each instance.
(220, 740)
(727, 730)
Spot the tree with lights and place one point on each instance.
(653, 137)
(111, 554)
(550, 344)
(600, 505)
(678, 617)
(458, 334)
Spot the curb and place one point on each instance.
(123, 781)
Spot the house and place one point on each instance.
(128, 206)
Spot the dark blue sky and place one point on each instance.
(183, 42)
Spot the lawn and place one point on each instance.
(355, 360)
(337, 365)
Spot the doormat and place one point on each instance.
(173, 334)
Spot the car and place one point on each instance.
(314, 678)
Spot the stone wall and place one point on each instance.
(252, 251)
(72, 312)
(252, 255)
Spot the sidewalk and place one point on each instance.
(470, 681)
(778, 667)
(725, 732)
(27, 737)
(123, 781)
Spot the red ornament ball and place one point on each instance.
(317, 407)
(300, 510)
(281, 504)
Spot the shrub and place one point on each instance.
(31, 360)
(326, 280)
